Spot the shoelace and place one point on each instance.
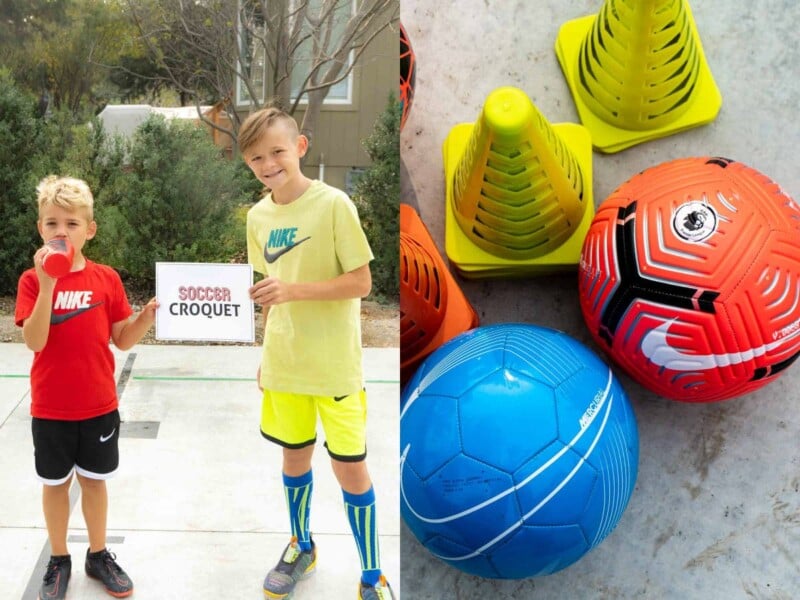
(292, 552)
(52, 572)
(110, 560)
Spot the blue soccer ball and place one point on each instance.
(519, 451)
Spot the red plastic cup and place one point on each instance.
(58, 260)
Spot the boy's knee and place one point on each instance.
(61, 488)
(87, 483)
(297, 461)
(353, 476)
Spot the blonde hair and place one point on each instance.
(256, 125)
(65, 192)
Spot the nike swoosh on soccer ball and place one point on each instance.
(105, 438)
(656, 347)
(271, 257)
(58, 319)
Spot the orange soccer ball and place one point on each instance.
(689, 279)
(408, 60)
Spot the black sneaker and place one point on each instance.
(103, 566)
(56, 578)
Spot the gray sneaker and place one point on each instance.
(380, 591)
(295, 564)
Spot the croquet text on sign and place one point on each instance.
(204, 302)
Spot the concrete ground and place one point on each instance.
(197, 507)
(716, 510)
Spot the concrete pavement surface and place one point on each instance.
(196, 509)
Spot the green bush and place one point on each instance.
(166, 195)
(20, 134)
(377, 197)
(174, 202)
(33, 148)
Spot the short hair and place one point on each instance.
(65, 192)
(256, 125)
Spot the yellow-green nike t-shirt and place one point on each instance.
(311, 346)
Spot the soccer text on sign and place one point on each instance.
(204, 302)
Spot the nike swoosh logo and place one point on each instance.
(271, 257)
(58, 319)
(656, 347)
(105, 438)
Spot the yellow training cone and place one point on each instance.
(518, 190)
(637, 72)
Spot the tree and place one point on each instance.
(58, 49)
(21, 23)
(305, 47)
(191, 44)
(378, 200)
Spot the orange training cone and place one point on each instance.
(433, 309)
(519, 190)
(637, 72)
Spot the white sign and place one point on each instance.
(204, 302)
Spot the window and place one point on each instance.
(255, 61)
(342, 92)
(351, 179)
(253, 57)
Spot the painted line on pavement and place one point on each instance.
(110, 539)
(177, 378)
(243, 379)
(125, 374)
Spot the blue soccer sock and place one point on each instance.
(360, 510)
(298, 501)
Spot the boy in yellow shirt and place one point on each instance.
(307, 240)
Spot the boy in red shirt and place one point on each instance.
(68, 322)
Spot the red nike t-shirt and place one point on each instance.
(72, 377)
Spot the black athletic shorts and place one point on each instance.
(91, 447)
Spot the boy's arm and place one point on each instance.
(353, 284)
(36, 328)
(125, 334)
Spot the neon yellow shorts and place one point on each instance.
(290, 420)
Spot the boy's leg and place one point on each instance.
(297, 461)
(362, 516)
(359, 504)
(298, 484)
(289, 420)
(98, 460)
(55, 445)
(55, 504)
(94, 503)
(344, 419)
